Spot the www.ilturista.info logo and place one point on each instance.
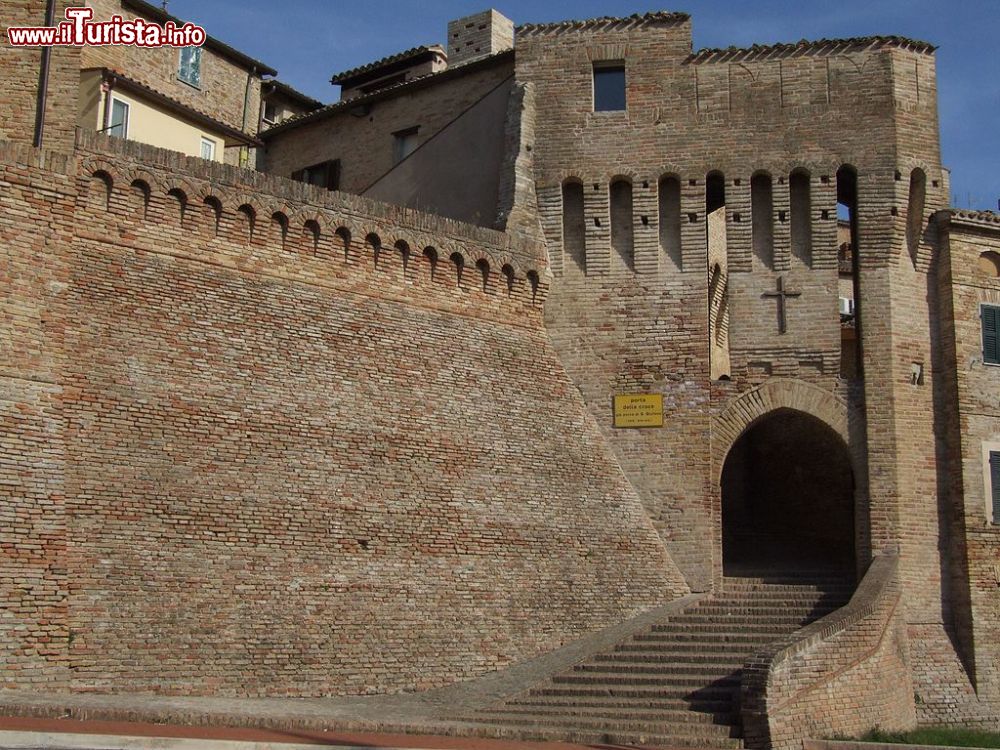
(78, 31)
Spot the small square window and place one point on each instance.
(404, 143)
(119, 118)
(609, 87)
(270, 112)
(207, 149)
(189, 66)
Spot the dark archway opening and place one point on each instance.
(788, 500)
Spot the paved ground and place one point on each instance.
(27, 732)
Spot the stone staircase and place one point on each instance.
(675, 684)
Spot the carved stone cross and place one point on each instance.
(781, 295)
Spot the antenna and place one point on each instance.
(163, 5)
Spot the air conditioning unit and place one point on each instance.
(846, 306)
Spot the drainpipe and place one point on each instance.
(43, 79)
(245, 151)
(107, 86)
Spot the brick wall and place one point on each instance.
(21, 81)
(291, 467)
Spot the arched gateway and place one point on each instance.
(786, 483)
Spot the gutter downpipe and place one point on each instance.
(43, 79)
(245, 151)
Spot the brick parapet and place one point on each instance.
(844, 674)
(270, 199)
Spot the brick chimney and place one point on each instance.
(477, 36)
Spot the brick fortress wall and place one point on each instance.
(247, 456)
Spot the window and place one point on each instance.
(993, 498)
(325, 175)
(990, 316)
(270, 113)
(119, 119)
(207, 148)
(609, 87)
(189, 67)
(404, 143)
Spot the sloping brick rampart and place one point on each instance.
(248, 457)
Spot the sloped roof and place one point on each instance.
(294, 94)
(405, 55)
(186, 111)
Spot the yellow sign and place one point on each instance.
(639, 410)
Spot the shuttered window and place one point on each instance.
(995, 484)
(990, 316)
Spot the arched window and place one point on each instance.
(247, 217)
(343, 236)
(533, 282)
(800, 203)
(311, 231)
(176, 206)
(431, 256)
(915, 211)
(574, 233)
(670, 218)
(508, 274)
(459, 262)
(279, 224)
(140, 198)
(621, 221)
(762, 218)
(101, 186)
(214, 206)
(484, 270)
(374, 244)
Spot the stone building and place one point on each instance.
(377, 399)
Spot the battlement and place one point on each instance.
(261, 221)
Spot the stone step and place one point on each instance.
(614, 679)
(607, 725)
(722, 650)
(738, 620)
(703, 670)
(726, 706)
(756, 610)
(716, 630)
(730, 659)
(621, 692)
(602, 738)
(755, 585)
(676, 716)
(700, 639)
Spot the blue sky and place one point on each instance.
(309, 40)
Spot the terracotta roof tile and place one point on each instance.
(807, 47)
(609, 22)
(398, 57)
